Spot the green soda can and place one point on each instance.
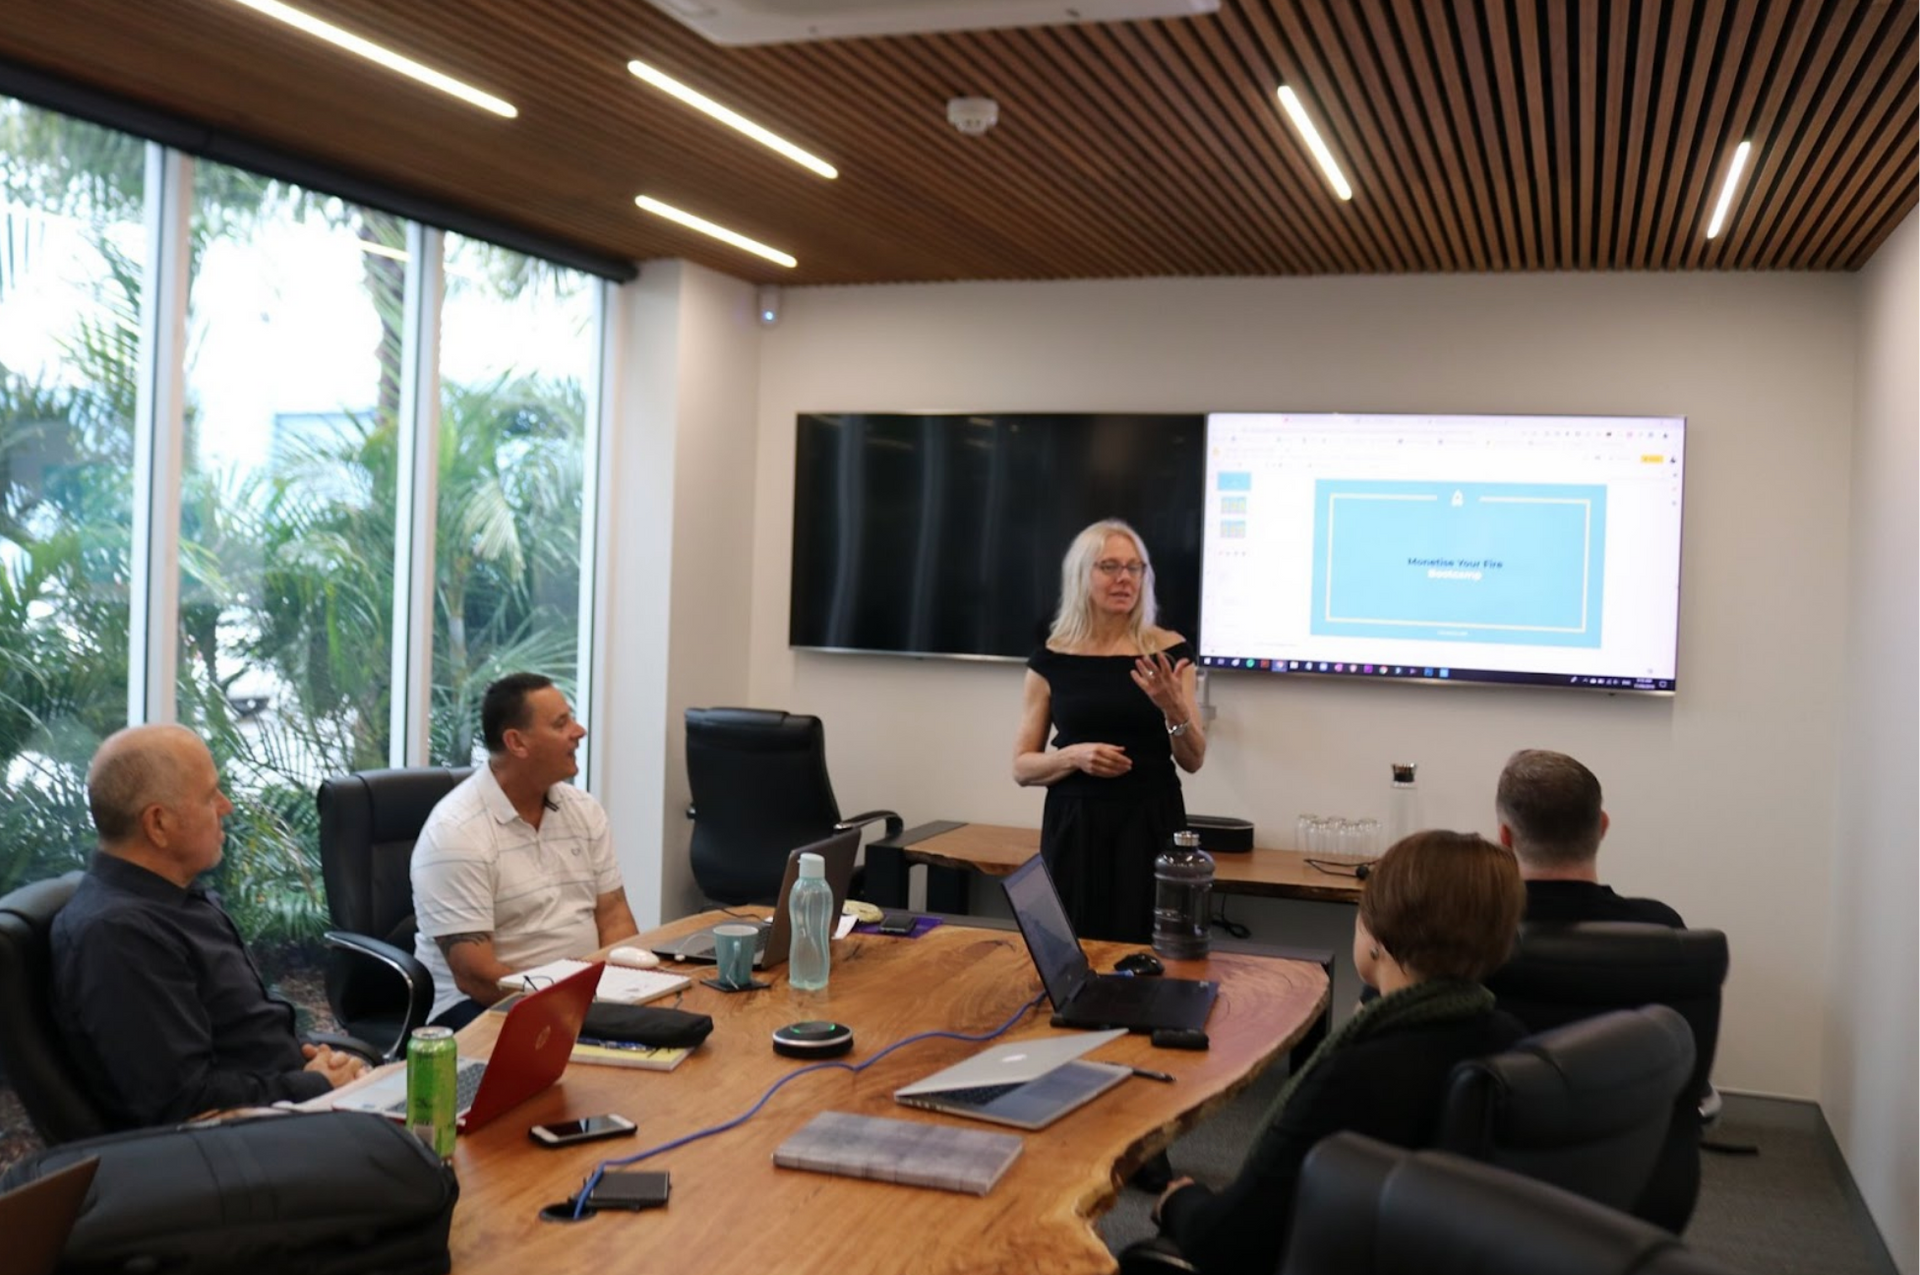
(432, 1059)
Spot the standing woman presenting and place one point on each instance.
(1118, 694)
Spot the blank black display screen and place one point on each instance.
(943, 534)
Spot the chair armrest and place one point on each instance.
(895, 824)
(418, 981)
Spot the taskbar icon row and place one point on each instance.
(1343, 668)
(1437, 673)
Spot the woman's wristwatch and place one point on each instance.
(1175, 732)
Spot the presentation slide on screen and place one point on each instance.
(1511, 547)
(1462, 562)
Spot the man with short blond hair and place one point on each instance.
(1551, 817)
(164, 1012)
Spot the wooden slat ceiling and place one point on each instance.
(1479, 135)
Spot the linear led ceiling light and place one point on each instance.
(732, 119)
(721, 233)
(385, 57)
(1311, 135)
(1719, 221)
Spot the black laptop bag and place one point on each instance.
(328, 1193)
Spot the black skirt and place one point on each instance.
(1100, 851)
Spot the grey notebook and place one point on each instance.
(903, 1151)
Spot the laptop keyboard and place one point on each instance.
(466, 1083)
(977, 1096)
(1117, 991)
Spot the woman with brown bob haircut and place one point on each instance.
(1438, 914)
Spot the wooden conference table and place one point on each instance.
(733, 1211)
(953, 851)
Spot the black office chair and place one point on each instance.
(37, 1062)
(759, 783)
(1561, 972)
(369, 821)
(1366, 1208)
(1585, 1107)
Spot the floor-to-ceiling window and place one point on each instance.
(292, 391)
(299, 382)
(72, 268)
(517, 352)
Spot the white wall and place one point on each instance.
(1723, 799)
(684, 439)
(1867, 1078)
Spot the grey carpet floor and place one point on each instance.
(1786, 1211)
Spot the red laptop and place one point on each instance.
(535, 1042)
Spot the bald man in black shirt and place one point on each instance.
(154, 992)
(1550, 816)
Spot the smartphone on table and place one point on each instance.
(565, 1133)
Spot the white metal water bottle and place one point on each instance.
(810, 908)
(1403, 802)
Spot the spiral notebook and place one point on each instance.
(618, 983)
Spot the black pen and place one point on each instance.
(1144, 1074)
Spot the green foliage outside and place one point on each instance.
(286, 571)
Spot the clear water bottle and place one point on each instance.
(1403, 802)
(810, 907)
(1183, 899)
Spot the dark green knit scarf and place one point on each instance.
(1435, 1001)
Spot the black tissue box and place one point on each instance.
(1221, 834)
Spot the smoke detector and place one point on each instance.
(973, 115)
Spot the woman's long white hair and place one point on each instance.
(1073, 622)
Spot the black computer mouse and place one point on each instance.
(1139, 964)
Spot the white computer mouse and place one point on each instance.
(638, 958)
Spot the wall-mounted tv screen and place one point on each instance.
(1528, 549)
(929, 534)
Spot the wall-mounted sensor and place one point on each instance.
(767, 309)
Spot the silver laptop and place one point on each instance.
(775, 939)
(1028, 1083)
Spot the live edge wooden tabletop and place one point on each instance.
(998, 850)
(733, 1211)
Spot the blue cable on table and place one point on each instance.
(593, 1179)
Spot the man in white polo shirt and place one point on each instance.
(515, 866)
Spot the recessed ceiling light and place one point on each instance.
(375, 53)
(721, 233)
(1311, 135)
(1719, 221)
(732, 119)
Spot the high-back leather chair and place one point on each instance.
(1366, 1208)
(1563, 972)
(369, 821)
(38, 1065)
(1586, 1106)
(760, 788)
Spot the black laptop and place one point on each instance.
(1080, 997)
(770, 948)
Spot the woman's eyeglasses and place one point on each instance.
(1109, 567)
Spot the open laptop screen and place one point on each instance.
(1050, 938)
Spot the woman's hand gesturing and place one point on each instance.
(1160, 678)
